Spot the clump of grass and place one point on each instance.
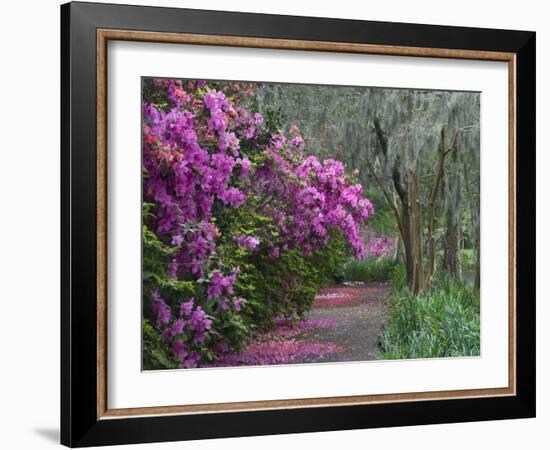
(372, 269)
(398, 278)
(443, 323)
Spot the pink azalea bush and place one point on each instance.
(224, 197)
(381, 245)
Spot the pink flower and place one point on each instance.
(232, 197)
(237, 303)
(160, 308)
(248, 242)
(294, 129)
(258, 118)
(245, 167)
(186, 308)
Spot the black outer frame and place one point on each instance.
(79, 424)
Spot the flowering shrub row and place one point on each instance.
(240, 226)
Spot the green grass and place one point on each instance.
(468, 258)
(371, 269)
(442, 323)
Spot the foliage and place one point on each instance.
(398, 278)
(468, 258)
(239, 226)
(443, 323)
(372, 269)
(156, 351)
(383, 222)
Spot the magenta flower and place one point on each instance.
(197, 318)
(186, 308)
(297, 142)
(248, 242)
(382, 245)
(192, 361)
(232, 197)
(160, 308)
(278, 140)
(178, 347)
(177, 327)
(237, 303)
(177, 240)
(258, 118)
(245, 167)
(220, 284)
(223, 304)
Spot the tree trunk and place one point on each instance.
(431, 212)
(474, 217)
(396, 251)
(451, 258)
(407, 245)
(414, 205)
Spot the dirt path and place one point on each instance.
(355, 315)
(343, 325)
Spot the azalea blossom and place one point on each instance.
(203, 152)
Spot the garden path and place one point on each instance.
(343, 325)
(355, 314)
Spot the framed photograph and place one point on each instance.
(276, 224)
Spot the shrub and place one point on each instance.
(239, 225)
(442, 323)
